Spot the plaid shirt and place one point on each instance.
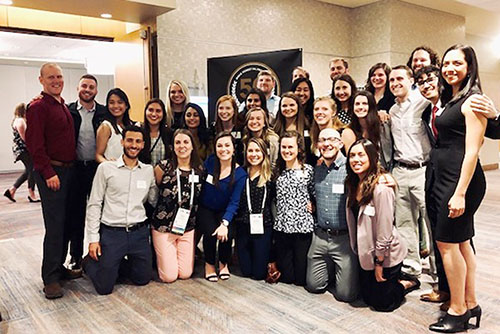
(330, 194)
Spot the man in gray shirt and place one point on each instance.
(411, 155)
(87, 116)
(116, 218)
(330, 261)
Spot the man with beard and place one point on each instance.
(116, 218)
(87, 116)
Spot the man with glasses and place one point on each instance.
(331, 264)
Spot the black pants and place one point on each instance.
(208, 222)
(81, 185)
(291, 256)
(28, 171)
(253, 251)
(382, 296)
(431, 206)
(54, 208)
(115, 244)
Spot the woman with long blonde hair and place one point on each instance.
(177, 98)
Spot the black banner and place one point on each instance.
(235, 75)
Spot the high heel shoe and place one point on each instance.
(452, 323)
(476, 312)
(9, 195)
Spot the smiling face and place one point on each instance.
(132, 143)
(378, 78)
(192, 119)
(289, 107)
(52, 80)
(428, 85)
(303, 92)
(224, 148)
(225, 111)
(183, 147)
(254, 155)
(87, 90)
(116, 106)
(454, 69)
(253, 101)
(289, 149)
(361, 106)
(342, 90)
(298, 73)
(400, 83)
(256, 120)
(358, 160)
(420, 59)
(176, 95)
(154, 113)
(265, 83)
(336, 68)
(329, 143)
(323, 113)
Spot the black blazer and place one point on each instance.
(99, 115)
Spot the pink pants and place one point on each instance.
(174, 255)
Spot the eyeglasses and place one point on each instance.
(430, 80)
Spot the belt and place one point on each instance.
(332, 232)
(61, 164)
(412, 166)
(125, 228)
(85, 163)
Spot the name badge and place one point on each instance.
(338, 188)
(256, 223)
(369, 211)
(141, 184)
(194, 178)
(306, 133)
(181, 220)
(210, 179)
(236, 134)
(300, 173)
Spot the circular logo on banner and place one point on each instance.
(242, 80)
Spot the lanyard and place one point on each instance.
(248, 198)
(179, 189)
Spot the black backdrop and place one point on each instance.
(235, 75)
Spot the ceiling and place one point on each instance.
(134, 11)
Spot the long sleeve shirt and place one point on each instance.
(224, 198)
(50, 134)
(118, 196)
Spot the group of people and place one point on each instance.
(345, 193)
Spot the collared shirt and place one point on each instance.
(50, 134)
(330, 194)
(411, 143)
(118, 196)
(86, 145)
(438, 112)
(273, 103)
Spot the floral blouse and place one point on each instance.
(166, 208)
(294, 190)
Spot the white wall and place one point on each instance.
(19, 84)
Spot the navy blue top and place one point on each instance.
(223, 197)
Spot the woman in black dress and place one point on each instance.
(460, 184)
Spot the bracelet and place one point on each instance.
(378, 262)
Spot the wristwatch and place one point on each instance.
(225, 223)
(377, 261)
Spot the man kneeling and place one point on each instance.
(116, 218)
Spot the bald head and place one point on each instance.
(52, 79)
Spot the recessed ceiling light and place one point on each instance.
(106, 16)
(6, 2)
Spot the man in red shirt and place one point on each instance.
(50, 140)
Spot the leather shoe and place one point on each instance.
(445, 306)
(53, 290)
(452, 323)
(435, 296)
(70, 274)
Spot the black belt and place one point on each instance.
(332, 232)
(85, 163)
(125, 228)
(412, 166)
